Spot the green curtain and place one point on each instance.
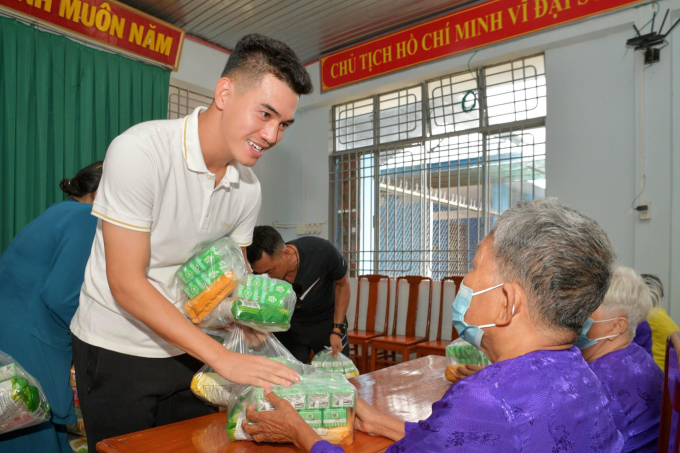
(61, 104)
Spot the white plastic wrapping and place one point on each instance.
(22, 400)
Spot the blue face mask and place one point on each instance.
(471, 334)
(584, 342)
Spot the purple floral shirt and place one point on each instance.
(643, 336)
(634, 385)
(544, 401)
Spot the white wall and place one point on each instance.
(200, 65)
(603, 111)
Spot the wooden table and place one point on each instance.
(405, 391)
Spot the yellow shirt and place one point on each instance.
(662, 325)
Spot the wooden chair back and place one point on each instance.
(457, 281)
(372, 310)
(669, 434)
(414, 282)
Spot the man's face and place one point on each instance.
(275, 266)
(254, 120)
(482, 276)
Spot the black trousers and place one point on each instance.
(121, 394)
(304, 337)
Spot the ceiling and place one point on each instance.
(311, 27)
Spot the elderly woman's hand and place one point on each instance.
(281, 425)
(455, 373)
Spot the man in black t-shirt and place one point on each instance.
(318, 273)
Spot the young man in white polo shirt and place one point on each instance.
(169, 186)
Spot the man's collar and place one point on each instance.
(193, 155)
(191, 144)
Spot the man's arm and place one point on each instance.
(127, 256)
(341, 304)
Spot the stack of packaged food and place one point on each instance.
(218, 291)
(324, 400)
(326, 363)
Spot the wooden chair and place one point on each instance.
(669, 434)
(404, 344)
(438, 346)
(362, 338)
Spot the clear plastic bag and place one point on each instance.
(315, 393)
(324, 400)
(214, 389)
(209, 277)
(460, 352)
(22, 400)
(326, 363)
(263, 303)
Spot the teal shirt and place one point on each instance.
(41, 273)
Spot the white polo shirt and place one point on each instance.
(155, 180)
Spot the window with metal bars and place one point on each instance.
(182, 101)
(418, 176)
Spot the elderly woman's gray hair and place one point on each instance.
(655, 290)
(561, 258)
(628, 296)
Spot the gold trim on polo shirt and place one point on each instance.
(119, 222)
(184, 139)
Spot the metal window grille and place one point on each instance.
(181, 101)
(418, 176)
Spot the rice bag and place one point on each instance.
(263, 303)
(325, 401)
(326, 363)
(22, 400)
(209, 277)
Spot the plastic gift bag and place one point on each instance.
(22, 400)
(263, 303)
(324, 400)
(214, 389)
(460, 352)
(210, 276)
(326, 363)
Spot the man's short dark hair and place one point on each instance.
(265, 239)
(256, 55)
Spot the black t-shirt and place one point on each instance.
(321, 264)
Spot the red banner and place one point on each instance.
(112, 24)
(470, 28)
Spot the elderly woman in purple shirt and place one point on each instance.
(631, 379)
(535, 279)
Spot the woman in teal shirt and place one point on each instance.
(41, 273)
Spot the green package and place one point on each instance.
(245, 310)
(342, 397)
(334, 417)
(261, 402)
(234, 419)
(312, 417)
(318, 397)
(192, 289)
(199, 264)
(465, 353)
(294, 395)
